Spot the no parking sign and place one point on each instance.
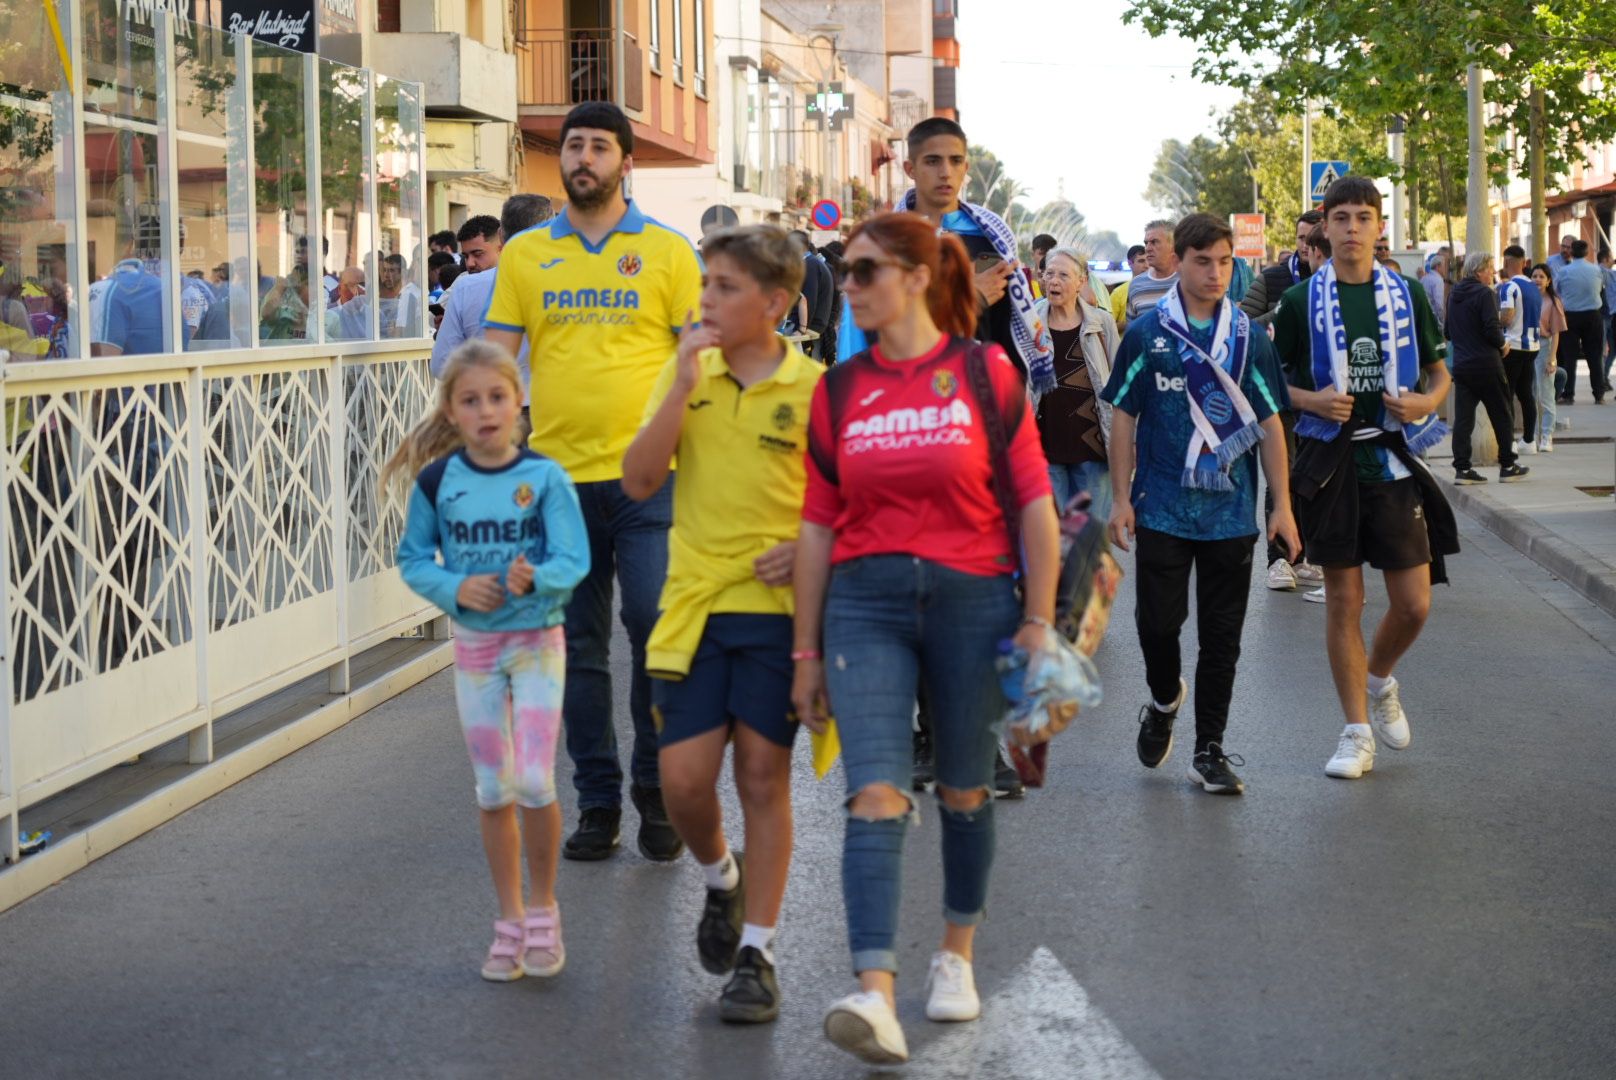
(826, 214)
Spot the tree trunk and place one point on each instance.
(1411, 170)
(1447, 202)
(1540, 212)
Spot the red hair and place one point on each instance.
(910, 238)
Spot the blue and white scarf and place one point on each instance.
(1395, 307)
(1024, 323)
(1225, 424)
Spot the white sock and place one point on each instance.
(1361, 729)
(723, 874)
(760, 938)
(1159, 707)
(1378, 685)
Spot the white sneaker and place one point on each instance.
(1386, 714)
(1523, 446)
(864, 1024)
(953, 989)
(1306, 571)
(1354, 756)
(1281, 578)
(1315, 596)
(1545, 444)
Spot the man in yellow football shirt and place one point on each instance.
(600, 292)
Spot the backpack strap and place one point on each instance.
(838, 381)
(998, 425)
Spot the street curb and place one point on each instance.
(1560, 557)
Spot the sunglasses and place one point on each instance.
(862, 271)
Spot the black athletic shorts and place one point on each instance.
(1390, 532)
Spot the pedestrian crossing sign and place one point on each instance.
(1324, 174)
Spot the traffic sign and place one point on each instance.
(827, 214)
(1250, 231)
(719, 216)
(1325, 173)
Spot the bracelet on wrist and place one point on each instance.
(1037, 620)
(805, 654)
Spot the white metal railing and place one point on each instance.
(187, 534)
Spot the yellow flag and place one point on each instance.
(827, 748)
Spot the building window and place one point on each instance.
(656, 35)
(679, 41)
(701, 47)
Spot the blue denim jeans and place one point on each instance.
(629, 539)
(892, 621)
(1547, 391)
(1093, 477)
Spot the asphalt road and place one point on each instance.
(1449, 916)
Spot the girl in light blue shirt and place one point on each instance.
(495, 538)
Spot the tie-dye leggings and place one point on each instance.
(508, 685)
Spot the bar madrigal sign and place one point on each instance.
(287, 23)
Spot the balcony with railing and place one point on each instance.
(560, 68)
(557, 69)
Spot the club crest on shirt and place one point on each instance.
(523, 496)
(784, 417)
(944, 384)
(629, 264)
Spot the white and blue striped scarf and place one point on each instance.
(1024, 323)
(1225, 424)
(1395, 307)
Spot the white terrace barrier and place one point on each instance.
(186, 535)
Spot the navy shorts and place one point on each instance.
(741, 673)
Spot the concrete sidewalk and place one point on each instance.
(1562, 516)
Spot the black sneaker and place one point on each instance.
(1510, 473)
(719, 931)
(1156, 730)
(1468, 476)
(925, 773)
(597, 835)
(751, 996)
(657, 840)
(1211, 770)
(1006, 781)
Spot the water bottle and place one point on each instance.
(1012, 668)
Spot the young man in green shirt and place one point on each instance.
(1364, 355)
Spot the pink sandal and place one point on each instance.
(543, 955)
(504, 955)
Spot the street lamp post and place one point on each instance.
(825, 31)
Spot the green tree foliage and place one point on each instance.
(1202, 175)
(1373, 61)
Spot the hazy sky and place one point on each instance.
(1048, 95)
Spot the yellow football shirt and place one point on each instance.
(599, 323)
(742, 469)
(1119, 305)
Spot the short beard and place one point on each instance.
(599, 197)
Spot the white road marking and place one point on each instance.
(1039, 1026)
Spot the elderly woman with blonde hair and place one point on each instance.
(1073, 423)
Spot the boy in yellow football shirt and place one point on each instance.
(732, 405)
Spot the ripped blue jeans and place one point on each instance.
(892, 624)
